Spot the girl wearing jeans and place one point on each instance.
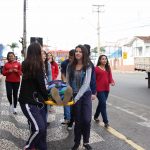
(78, 76)
(103, 80)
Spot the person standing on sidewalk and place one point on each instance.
(12, 71)
(47, 78)
(78, 76)
(54, 66)
(64, 64)
(93, 77)
(32, 95)
(1, 65)
(103, 80)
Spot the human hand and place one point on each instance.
(10, 70)
(15, 70)
(113, 83)
(93, 97)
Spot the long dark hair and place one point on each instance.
(33, 63)
(107, 66)
(85, 60)
(9, 53)
(46, 63)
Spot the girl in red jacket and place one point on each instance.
(12, 71)
(54, 66)
(103, 80)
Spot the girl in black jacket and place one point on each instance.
(32, 95)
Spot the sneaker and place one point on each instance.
(65, 122)
(48, 123)
(15, 111)
(87, 146)
(70, 124)
(96, 120)
(10, 108)
(69, 128)
(67, 95)
(75, 147)
(56, 96)
(106, 125)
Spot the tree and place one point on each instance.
(95, 50)
(102, 49)
(13, 46)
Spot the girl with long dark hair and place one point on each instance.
(78, 77)
(32, 95)
(103, 80)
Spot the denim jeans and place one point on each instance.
(67, 114)
(101, 108)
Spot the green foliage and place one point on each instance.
(102, 49)
(95, 50)
(13, 46)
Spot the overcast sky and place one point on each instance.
(66, 23)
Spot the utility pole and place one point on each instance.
(98, 25)
(24, 29)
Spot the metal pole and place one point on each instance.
(98, 26)
(98, 31)
(24, 29)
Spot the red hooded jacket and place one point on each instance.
(12, 76)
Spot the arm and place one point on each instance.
(85, 84)
(6, 71)
(49, 72)
(111, 81)
(18, 70)
(63, 72)
(56, 70)
(93, 81)
(41, 86)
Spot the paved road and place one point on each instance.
(129, 107)
(14, 129)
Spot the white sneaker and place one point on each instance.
(15, 111)
(10, 108)
(69, 128)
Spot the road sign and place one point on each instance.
(125, 55)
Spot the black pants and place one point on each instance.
(1, 70)
(12, 89)
(38, 126)
(82, 115)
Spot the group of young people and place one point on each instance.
(85, 82)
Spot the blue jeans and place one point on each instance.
(101, 108)
(67, 114)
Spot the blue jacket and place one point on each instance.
(93, 80)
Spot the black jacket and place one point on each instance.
(33, 91)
